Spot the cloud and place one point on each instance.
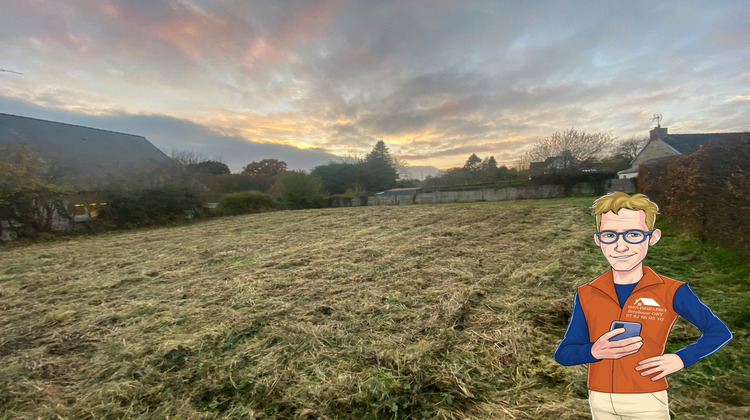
(169, 133)
(435, 80)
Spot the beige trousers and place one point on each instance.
(648, 405)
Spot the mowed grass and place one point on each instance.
(428, 311)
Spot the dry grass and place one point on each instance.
(431, 311)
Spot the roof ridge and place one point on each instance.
(73, 125)
(702, 134)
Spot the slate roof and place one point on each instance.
(687, 143)
(553, 163)
(681, 143)
(92, 154)
(634, 169)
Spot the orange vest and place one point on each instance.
(650, 303)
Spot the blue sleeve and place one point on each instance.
(714, 332)
(575, 347)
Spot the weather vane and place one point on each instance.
(657, 118)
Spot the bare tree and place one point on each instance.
(630, 147)
(581, 145)
(187, 157)
(402, 167)
(351, 157)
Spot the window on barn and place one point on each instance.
(79, 210)
(93, 209)
(84, 212)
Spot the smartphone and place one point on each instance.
(632, 329)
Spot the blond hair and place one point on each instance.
(616, 201)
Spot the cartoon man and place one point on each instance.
(626, 377)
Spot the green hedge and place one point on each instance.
(478, 186)
(246, 202)
(150, 207)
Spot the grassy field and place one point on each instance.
(429, 311)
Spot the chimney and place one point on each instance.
(656, 133)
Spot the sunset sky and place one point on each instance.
(306, 81)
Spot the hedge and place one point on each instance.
(150, 207)
(706, 192)
(246, 202)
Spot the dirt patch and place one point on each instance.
(72, 344)
(28, 341)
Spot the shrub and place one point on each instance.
(30, 202)
(151, 207)
(340, 200)
(570, 179)
(246, 202)
(299, 190)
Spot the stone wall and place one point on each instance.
(624, 185)
(532, 192)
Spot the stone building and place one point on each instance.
(661, 145)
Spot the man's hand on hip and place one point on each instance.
(666, 364)
(605, 349)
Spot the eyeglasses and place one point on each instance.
(632, 236)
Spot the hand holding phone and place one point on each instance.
(632, 329)
(606, 347)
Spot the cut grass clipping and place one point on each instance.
(429, 311)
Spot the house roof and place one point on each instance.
(399, 191)
(553, 163)
(634, 169)
(680, 143)
(686, 143)
(538, 165)
(91, 154)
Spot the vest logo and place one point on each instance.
(646, 302)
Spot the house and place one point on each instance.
(566, 164)
(88, 159)
(661, 145)
(554, 164)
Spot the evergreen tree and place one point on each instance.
(473, 163)
(488, 171)
(491, 163)
(472, 168)
(340, 176)
(380, 168)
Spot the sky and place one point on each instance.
(310, 81)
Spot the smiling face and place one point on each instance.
(621, 255)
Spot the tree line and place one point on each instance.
(32, 193)
(379, 169)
